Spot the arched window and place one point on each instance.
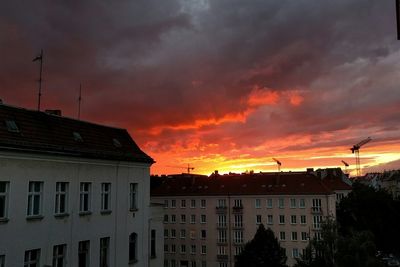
(133, 247)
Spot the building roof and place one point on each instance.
(39, 132)
(284, 183)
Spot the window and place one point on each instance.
(85, 191)
(203, 234)
(2, 260)
(258, 203)
(316, 205)
(238, 237)
(302, 203)
(133, 196)
(166, 248)
(193, 218)
(183, 233)
(166, 263)
(183, 203)
(269, 203)
(12, 126)
(173, 218)
(59, 255)
(304, 236)
(203, 203)
(35, 198)
(104, 251)
(222, 236)
(221, 220)
(339, 197)
(282, 236)
(294, 236)
(193, 249)
(106, 197)
(270, 219)
(237, 203)
(238, 220)
(221, 250)
(293, 219)
(281, 219)
(238, 250)
(192, 234)
(4, 200)
(133, 247)
(183, 218)
(203, 264)
(303, 219)
(317, 221)
(173, 263)
(173, 248)
(258, 219)
(295, 253)
(153, 243)
(183, 249)
(281, 203)
(83, 253)
(173, 233)
(193, 203)
(166, 205)
(292, 203)
(173, 203)
(222, 264)
(203, 249)
(193, 264)
(165, 218)
(32, 258)
(166, 233)
(221, 203)
(61, 198)
(203, 218)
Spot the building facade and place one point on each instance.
(72, 193)
(208, 220)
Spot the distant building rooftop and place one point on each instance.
(40, 132)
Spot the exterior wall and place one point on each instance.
(156, 224)
(249, 227)
(20, 234)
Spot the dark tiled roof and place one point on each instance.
(284, 183)
(40, 132)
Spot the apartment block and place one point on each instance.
(207, 220)
(72, 193)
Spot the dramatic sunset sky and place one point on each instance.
(218, 84)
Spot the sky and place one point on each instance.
(221, 85)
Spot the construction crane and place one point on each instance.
(356, 151)
(278, 163)
(345, 166)
(188, 168)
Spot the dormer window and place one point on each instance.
(116, 142)
(77, 137)
(12, 126)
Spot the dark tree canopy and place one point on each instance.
(262, 251)
(367, 209)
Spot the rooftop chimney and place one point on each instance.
(56, 112)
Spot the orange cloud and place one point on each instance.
(262, 96)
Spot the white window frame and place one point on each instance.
(302, 203)
(270, 203)
(4, 196)
(61, 197)
(105, 251)
(293, 203)
(258, 219)
(105, 197)
(281, 203)
(270, 219)
(133, 196)
(33, 197)
(280, 217)
(203, 203)
(29, 261)
(203, 249)
(257, 203)
(303, 221)
(60, 253)
(294, 236)
(193, 203)
(203, 218)
(85, 195)
(293, 219)
(193, 218)
(282, 236)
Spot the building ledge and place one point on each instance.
(85, 213)
(61, 215)
(4, 220)
(105, 212)
(34, 218)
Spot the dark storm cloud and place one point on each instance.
(153, 64)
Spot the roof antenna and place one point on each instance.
(79, 101)
(40, 57)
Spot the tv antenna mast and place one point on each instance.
(79, 101)
(40, 57)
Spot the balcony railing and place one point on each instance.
(237, 208)
(221, 209)
(316, 210)
(222, 257)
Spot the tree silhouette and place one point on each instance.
(262, 251)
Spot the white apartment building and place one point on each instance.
(72, 193)
(208, 220)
